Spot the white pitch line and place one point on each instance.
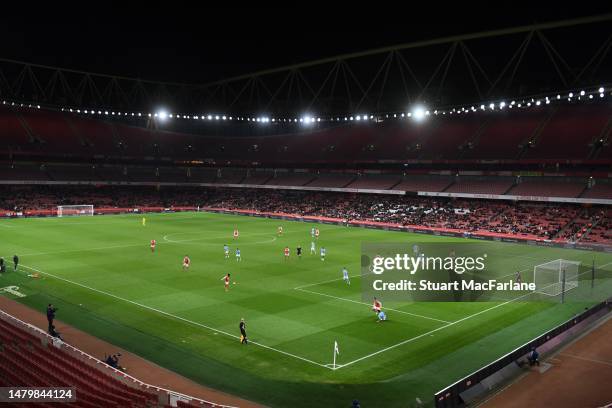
(175, 316)
(438, 329)
(604, 265)
(301, 288)
(429, 332)
(367, 304)
(328, 281)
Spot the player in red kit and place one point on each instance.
(236, 233)
(153, 243)
(186, 262)
(376, 306)
(286, 253)
(226, 281)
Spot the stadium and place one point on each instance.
(418, 217)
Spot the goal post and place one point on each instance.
(74, 210)
(556, 277)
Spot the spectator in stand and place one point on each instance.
(529, 220)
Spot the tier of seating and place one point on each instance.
(569, 133)
(548, 189)
(375, 182)
(561, 222)
(555, 134)
(601, 229)
(601, 190)
(25, 361)
(530, 186)
(424, 183)
(500, 139)
(499, 186)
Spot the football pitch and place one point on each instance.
(101, 274)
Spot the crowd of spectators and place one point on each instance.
(533, 220)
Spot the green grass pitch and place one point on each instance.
(102, 276)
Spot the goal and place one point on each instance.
(74, 210)
(554, 277)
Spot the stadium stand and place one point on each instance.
(569, 133)
(375, 181)
(424, 183)
(202, 175)
(557, 133)
(257, 177)
(231, 176)
(291, 179)
(445, 140)
(332, 180)
(22, 172)
(29, 359)
(526, 220)
(497, 185)
(97, 136)
(548, 188)
(14, 136)
(601, 231)
(503, 135)
(52, 130)
(600, 190)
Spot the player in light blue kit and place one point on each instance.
(237, 255)
(345, 276)
(226, 250)
(322, 253)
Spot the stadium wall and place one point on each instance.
(482, 381)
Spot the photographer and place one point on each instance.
(55, 333)
(113, 361)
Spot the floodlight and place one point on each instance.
(418, 113)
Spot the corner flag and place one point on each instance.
(336, 352)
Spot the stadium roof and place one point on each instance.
(324, 67)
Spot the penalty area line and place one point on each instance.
(410, 340)
(174, 316)
(367, 304)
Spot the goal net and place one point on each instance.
(554, 277)
(74, 210)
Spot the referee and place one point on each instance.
(243, 335)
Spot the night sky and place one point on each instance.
(179, 42)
